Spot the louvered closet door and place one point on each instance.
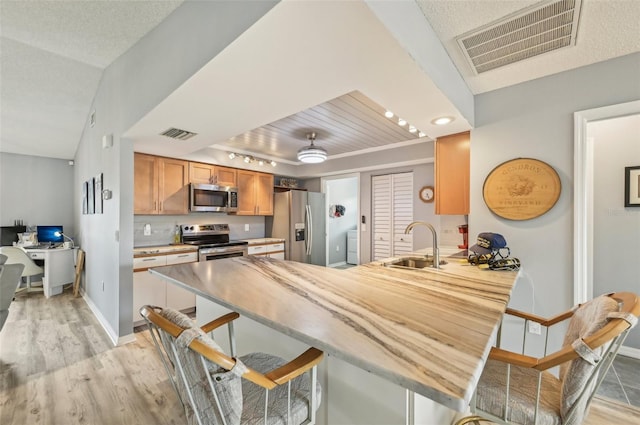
(402, 189)
(392, 213)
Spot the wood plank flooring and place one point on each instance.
(57, 366)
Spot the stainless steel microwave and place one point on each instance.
(212, 198)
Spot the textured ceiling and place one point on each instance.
(607, 29)
(53, 54)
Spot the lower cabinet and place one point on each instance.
(149, 289)
(272, 250)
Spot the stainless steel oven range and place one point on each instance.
(212, 241)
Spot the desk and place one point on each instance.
(59, 267)
(428, 331)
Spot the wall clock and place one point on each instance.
(426, 194)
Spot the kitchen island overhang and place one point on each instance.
(429, 331)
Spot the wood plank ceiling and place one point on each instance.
(349, 123)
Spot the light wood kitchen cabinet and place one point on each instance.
(160, 185)
(452, 174)
(150, 289)
(255, 193)
(211, 174)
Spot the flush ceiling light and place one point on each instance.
(312, 154)
(412, 129)
(421, 134)
(442, 120)
(402, 122)
(388, 114)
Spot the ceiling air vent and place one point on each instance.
(176, 133)
(542, 28)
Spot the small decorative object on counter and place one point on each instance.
(176, 235)
(491, 250)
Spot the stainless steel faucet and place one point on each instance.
(436, 251)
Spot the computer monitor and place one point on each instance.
(48, 234)
(9, 234)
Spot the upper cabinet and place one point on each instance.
(452, 174)
(212, 174)
(160, 185)
(255, 193)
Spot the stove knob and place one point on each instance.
(191, 228)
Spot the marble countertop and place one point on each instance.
(145, 251)
(263, 241)
(427, 330)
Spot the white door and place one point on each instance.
(392, 212)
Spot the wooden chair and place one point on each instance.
(519, 389)
(215, 388)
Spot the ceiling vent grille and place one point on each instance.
(530, 32)
(176, 133)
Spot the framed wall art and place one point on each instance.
(90, 196)
(632, 186)
(85, 199)
(98, 193)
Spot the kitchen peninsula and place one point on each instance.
(427, 330)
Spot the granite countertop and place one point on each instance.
(144, 251)
(263, 241)
(426, 330)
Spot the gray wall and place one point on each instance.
(535, 119)
(130, 87)
(616, 229)
(36, 190)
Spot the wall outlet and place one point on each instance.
(147, 230)
(246, 227)
(535, 328)
(338, 248)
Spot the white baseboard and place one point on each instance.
(113, 336)
(629, 352)
(341, 263)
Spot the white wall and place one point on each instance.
(343, 192)
(616, 229)
(37, 191)
(535, 119)
(130, 87)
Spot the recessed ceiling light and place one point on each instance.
(388, 114)
(421, 134)
(247, 159)
(273, 163)
(232, 155)
(412, 129)
(442, 120)
(402, 122)
(260, 162)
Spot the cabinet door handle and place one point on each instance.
(149, 259)
(183, 255)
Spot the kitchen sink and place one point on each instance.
(413, 262)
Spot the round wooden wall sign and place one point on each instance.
(521, 189)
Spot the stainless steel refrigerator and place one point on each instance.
(299, 218)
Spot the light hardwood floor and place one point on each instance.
(57, 367)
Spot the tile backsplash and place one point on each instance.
(163, 226)
(449, 234)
